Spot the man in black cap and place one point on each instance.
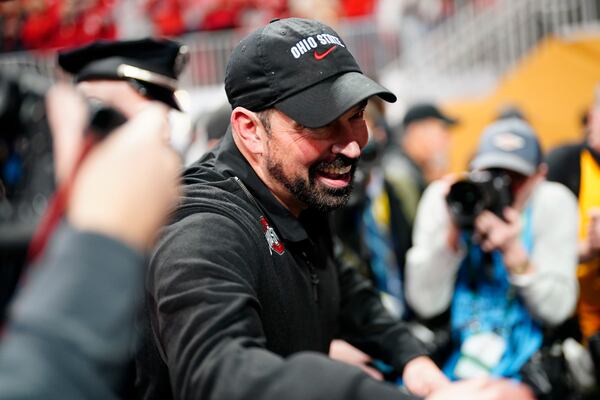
(409, 162)
(244, 293)
(422, 153)
(129, 73)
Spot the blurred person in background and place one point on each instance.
(52, 24)
(373, 226)
(577, 166)
(167, 17)
(71, 326)
(418, 155)
(131, 20)
(506, 274)
(12, 14)
(208, 132)
(129, 74)
(423, 145)
(373, 233)
(217, 125)
(326, 11)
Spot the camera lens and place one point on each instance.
(465, 201)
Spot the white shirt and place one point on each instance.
(549, 292)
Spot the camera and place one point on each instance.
(479, 191)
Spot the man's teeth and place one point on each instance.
(337, 170)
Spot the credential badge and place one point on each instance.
(271, 237)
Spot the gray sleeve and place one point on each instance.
(71, 325)
(550, 291)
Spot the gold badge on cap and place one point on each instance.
(508, 141)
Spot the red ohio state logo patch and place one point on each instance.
(273, 241)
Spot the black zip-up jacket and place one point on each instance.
(244, 299)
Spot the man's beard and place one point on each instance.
(312, 193)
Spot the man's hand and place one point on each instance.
(67, 115)
(483, 389)
(345, 352)
(126, 186)
(495, 233)
(422, 377)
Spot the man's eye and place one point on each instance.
(359, 115)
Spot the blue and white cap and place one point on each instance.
(510, 144)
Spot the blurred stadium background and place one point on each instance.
(474, 57)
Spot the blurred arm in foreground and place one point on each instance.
(70, 327)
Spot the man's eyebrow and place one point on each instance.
(358, 107)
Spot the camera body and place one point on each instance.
(478, 191)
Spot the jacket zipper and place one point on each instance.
(314, 280)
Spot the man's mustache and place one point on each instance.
(340, 161)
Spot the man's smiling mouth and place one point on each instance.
(332, 170)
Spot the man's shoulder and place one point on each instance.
(206, 190)
(554, 189)
(554, 196)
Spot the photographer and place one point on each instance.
(69, 330)
(507, 274)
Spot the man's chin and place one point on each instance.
(331, 199)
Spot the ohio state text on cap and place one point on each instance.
(302, 68)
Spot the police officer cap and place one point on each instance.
(153, 65)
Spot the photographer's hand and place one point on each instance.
(483, 389)
(67, 131)
(129, 181)
(494, 233)
(422, 377)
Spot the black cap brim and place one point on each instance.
(161, 94)
(507, 161)
(326, 101)
(449, 121)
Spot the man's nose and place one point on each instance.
(352, 139)
(350, 149)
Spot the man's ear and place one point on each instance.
(247, 130)
(523, 195)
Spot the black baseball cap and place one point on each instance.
(302, 68)
(422, 111)
(153, 65)
(509, 144)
